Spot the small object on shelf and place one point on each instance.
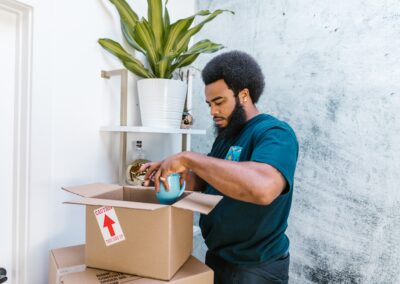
(187, 120)
(133, 176)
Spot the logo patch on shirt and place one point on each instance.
(234, 153)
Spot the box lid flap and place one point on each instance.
(198, 202)
(69, 256)
(93, 189)
(116, 203)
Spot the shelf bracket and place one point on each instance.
(188, 75)
(123, 73)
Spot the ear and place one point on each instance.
(244, 96)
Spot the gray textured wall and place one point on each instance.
(333, 72)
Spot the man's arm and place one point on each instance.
(253, 182)
(193, 182)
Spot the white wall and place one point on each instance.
(70, 101)
(8, 32)
(83, 101)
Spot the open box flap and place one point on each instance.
(93, 189)
(116, 203)
(198, 202)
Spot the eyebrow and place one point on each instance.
(214, 99)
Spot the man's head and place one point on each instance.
(234, 83)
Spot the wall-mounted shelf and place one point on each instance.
(142, 129)
(123, 129)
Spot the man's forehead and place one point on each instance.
(217, 89)
(215, 96)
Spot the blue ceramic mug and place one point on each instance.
(175, 189)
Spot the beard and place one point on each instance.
(236, 121)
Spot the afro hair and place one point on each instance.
(239, 71)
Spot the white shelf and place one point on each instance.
(143, 129)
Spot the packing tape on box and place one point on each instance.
(67, 270)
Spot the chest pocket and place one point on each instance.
(234, 153)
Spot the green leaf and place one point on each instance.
(129, 38)
(178, 29)
(128, 22)
(129, 62)
(164, 63)
(145, 38)
(163, 66)
(155, 19)
(125, 12)
(166, 22)
(171, 32)
(184, 41)
(204, 46)
(115, 48)
(184, 60)
(139, 70)
(187, 58)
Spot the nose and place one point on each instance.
(213, 110)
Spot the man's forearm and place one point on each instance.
(245, 181)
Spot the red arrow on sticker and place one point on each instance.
(108, 222)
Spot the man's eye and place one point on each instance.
(218, 103)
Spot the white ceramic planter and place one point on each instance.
(161, 102)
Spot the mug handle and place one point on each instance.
(182, 189)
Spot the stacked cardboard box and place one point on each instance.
(128, 231)
(66, 266)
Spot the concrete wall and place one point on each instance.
(332, 72)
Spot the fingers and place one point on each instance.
(164, 180)
(162, 169)
(145, 166)
(161, 177)
(149, 182)
(183, 178)
(158, 179)
(151, 169)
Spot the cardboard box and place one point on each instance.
(65, 262)
(128, 231)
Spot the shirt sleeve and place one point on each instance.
(278, 147)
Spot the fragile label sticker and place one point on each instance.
(109, 225)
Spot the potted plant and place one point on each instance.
(165, 45)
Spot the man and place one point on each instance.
(251, 164)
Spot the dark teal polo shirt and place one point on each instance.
(242, 232)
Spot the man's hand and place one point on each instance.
(171, 165)
(159, 171)
(152, 168)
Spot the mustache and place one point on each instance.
(218, 117)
